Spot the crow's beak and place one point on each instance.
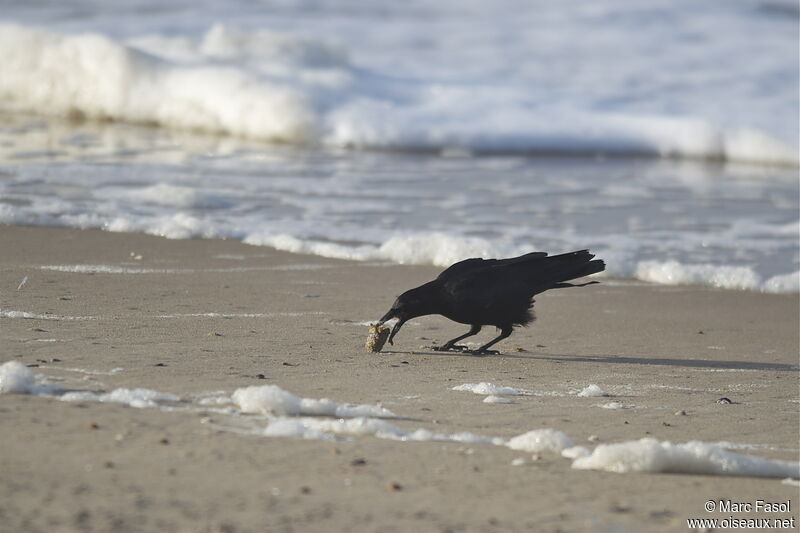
(388, 316)
(400, 321)
(395, 329)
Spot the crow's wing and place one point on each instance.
(487, 296)
(540, 273)
(476, 283)
(465, 267)
(472, 266)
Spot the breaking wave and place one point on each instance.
(295, 89)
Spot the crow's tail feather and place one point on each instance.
(575, 265)
(592, 267)
(555, 271)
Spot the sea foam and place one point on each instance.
(273, 400)
(440, 249)
(425, 248)
(37, 316)
(292, 88)
(540, 440)
(327, 429)
(490, 389)
(496, 399)
(139, 397)
(592, 391)
(95, 76)
(651, 455)
(332, 82)
(329, 420)
(16, 377)
(612, 405)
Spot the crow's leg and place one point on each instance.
(449, 345)
(505, 331)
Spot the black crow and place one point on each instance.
(491, 292)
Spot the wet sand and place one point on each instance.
(193, 316)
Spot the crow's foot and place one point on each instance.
(482, 352)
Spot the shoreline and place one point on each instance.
(196, 316)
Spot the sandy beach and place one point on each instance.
(192, 317)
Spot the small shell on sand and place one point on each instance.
(377, 338)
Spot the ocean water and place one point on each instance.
(659, 134)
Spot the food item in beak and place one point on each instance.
(377, 338)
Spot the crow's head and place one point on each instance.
(410, 304)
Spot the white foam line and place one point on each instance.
(388, 323)
(272, 400)
(243, 315)
(17, 378)
(496, 399)
(725, 370)
(112, 269)
(279, 268)
(304, 266)
(593, 391)
(112, 372)
(613, 405)
(35, 316)
(737, 387)
(331, 429)
(332, 419)
(139, 398)
(645, 455)
(233, 429)
(490, 389)
(212, 398)
(651, 455)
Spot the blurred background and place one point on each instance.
(661, 134)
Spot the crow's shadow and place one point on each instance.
(638, 360)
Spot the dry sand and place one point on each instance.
(659, 349)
